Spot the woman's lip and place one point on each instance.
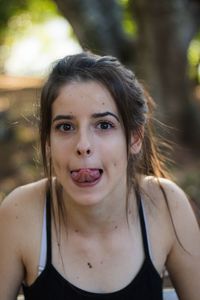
(86, 177)
(87, 184)
(86, 169)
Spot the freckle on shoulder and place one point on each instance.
(160, 186)
(157, 183)
(155, 189)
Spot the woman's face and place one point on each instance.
(87, 144)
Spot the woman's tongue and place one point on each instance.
(85, 175)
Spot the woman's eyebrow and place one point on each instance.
(63, 117)
(104, 114)
(95, 115)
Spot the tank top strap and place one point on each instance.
(48, 227)
(143, 226)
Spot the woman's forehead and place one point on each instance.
(82, 96)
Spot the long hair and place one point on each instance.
(134, 105)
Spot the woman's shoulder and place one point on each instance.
(162, 191)
(174, 228)
(23, 202)
(20, 226)
(158, 196)
(26, 194)
(171, 220)
(166, 203)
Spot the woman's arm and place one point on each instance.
(183, 262)
(11, 237)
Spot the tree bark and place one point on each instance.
(98, 26)
(165, 29)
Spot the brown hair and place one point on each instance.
(135, 107)
(134, 104)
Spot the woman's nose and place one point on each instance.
(81, 151)
(84, 145)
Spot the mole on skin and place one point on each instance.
(89, 265)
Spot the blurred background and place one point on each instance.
(159, 40)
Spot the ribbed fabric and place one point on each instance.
(50, 285)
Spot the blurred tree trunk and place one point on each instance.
(98, 26)
(158, 54)
(165, 30)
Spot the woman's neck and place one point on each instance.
(101, 218)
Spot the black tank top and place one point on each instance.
(51, 285)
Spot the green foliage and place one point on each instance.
(16, 15)
(129, 24)
(9, 8)
(194, 58)
(40, 10)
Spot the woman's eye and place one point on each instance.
(105, 125)
(64, 127)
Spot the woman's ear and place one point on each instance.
(136, 142)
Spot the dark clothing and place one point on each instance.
(50, 285)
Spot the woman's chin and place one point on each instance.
(87, 201)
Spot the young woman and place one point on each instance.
(106, 221)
